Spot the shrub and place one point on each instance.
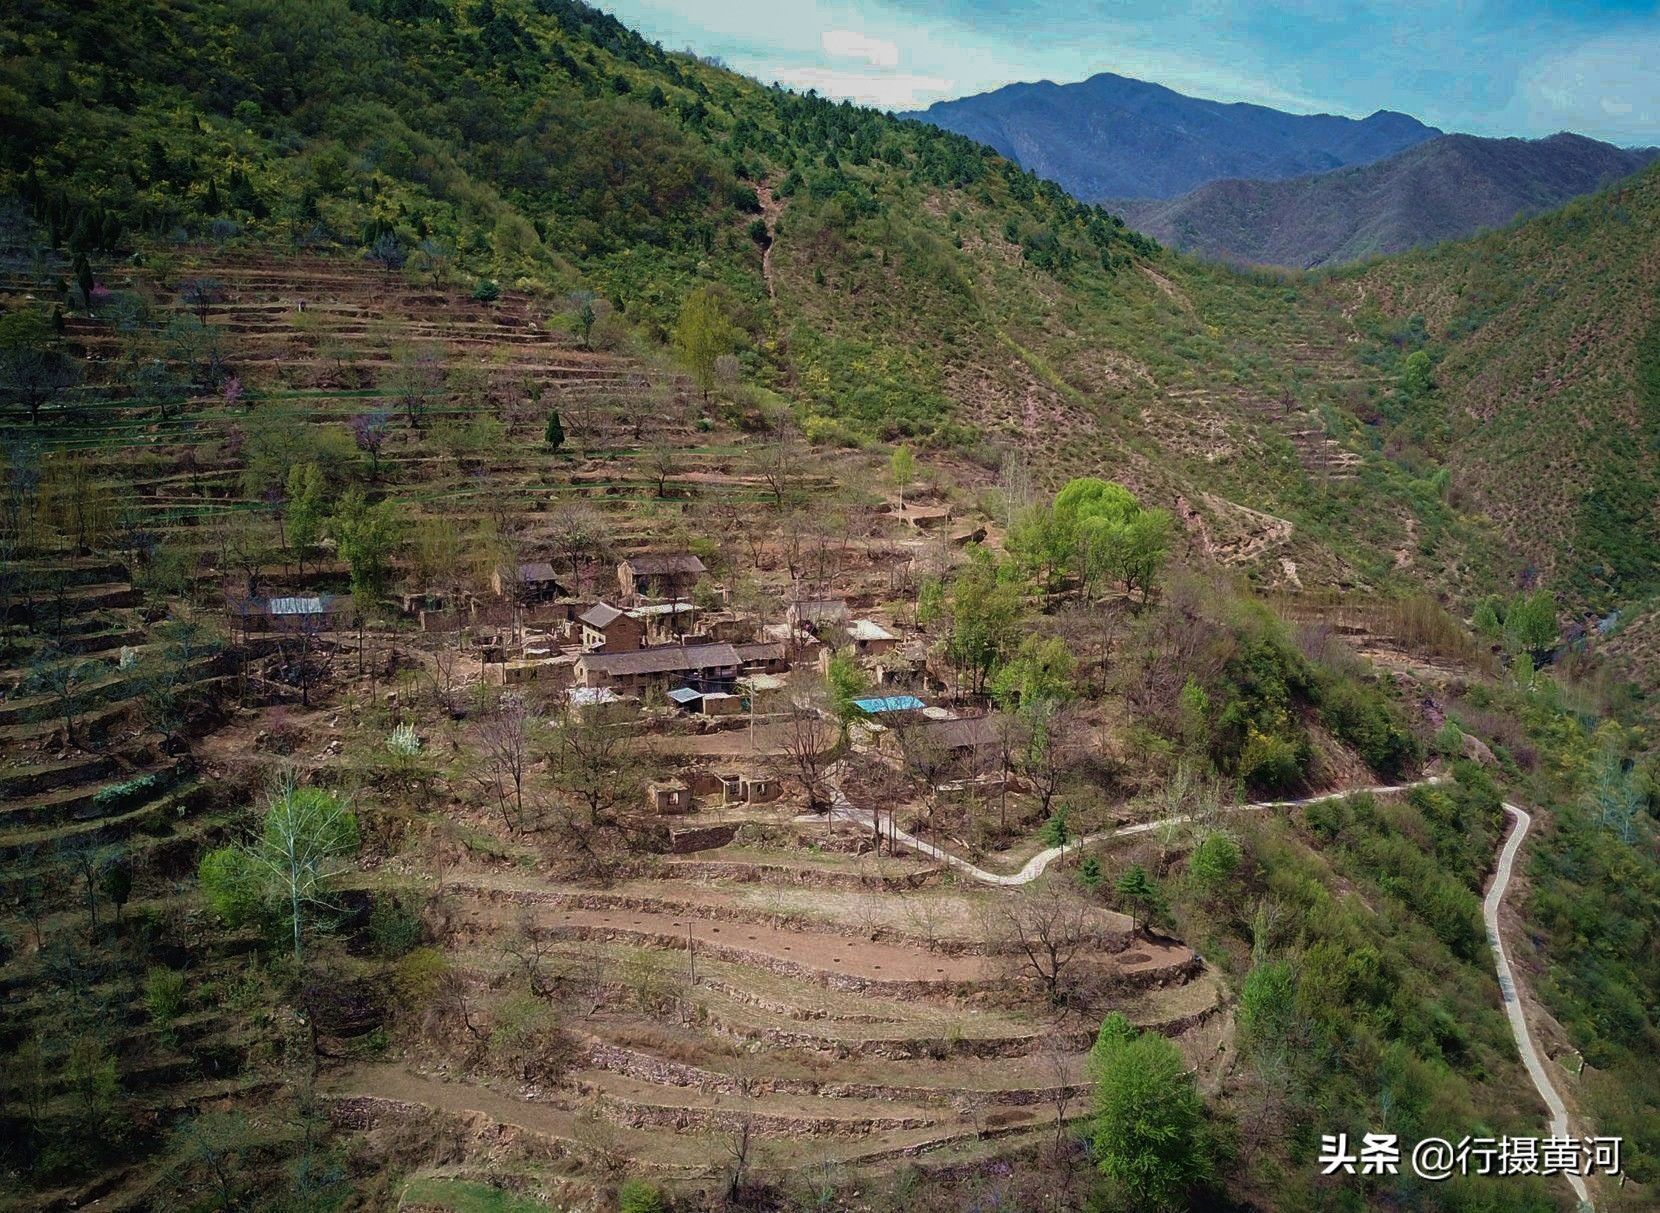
(1360, 717)
(394, 929)
(639, 1196)
(526, 1038)
(1214, 861)
(164, 994)
(486, 291)
(127, 793)
(1270, 764)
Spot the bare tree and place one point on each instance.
(778, 462)
(529, 952)
(809, 743)
(662, 465)
(1061, 1068)
(738, 1139)
(926, 761)
(1048, 749)
(505, 738)
(579, 538)
(64, 677)
(1043, 932)
(595, 766)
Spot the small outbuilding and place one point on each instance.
(668, 796)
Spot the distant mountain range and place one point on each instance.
(1449, 187)
(1114, 137)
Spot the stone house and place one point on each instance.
(703, 667)
(604, 628)
(659, 575)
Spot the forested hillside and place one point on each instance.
(1530, 369)
(568, 618)
(1447, 188)
(918, 285)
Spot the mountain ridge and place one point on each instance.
(1113, 136)
(1446, 188)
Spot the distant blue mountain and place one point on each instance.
(1113, 137)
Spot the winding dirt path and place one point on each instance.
(1531, 1057)
(1037, 864)
(1491, 906)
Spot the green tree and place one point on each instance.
(308, 832)
(305, 513)
(1214, 861)
(1042, 543)
(1148, 1134)
(33, 366)
(1488, 619)
(1138, 894)
(845, 682)
(1057, 831)
(702, 334)
(583, 313)
(902, 467)
(1416, 374)
(1110, 535)
(89, 1074)
(366, 536)
(1193, 707)
(985, 620)
(1530, 625)
(554, 434)
(1041, 671)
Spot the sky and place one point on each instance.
(1488, 67)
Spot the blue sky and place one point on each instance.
(1528, 67)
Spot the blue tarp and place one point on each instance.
(889, 703)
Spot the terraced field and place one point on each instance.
(767, 996)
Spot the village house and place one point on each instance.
(763, 657)
(531, 582)
(706, 703)
(871, 639)
(703, 667)
(968, 740)
(604, 628)
(292, 613)
(659, 575)
(749, 788)
(665, 622)
(813, 615)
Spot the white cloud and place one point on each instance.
(883, 90)
(1603, 86)
(850, 44)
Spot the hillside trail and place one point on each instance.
(1513, 1010)
(771, 208)
(841, 807)
(1037, 864)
